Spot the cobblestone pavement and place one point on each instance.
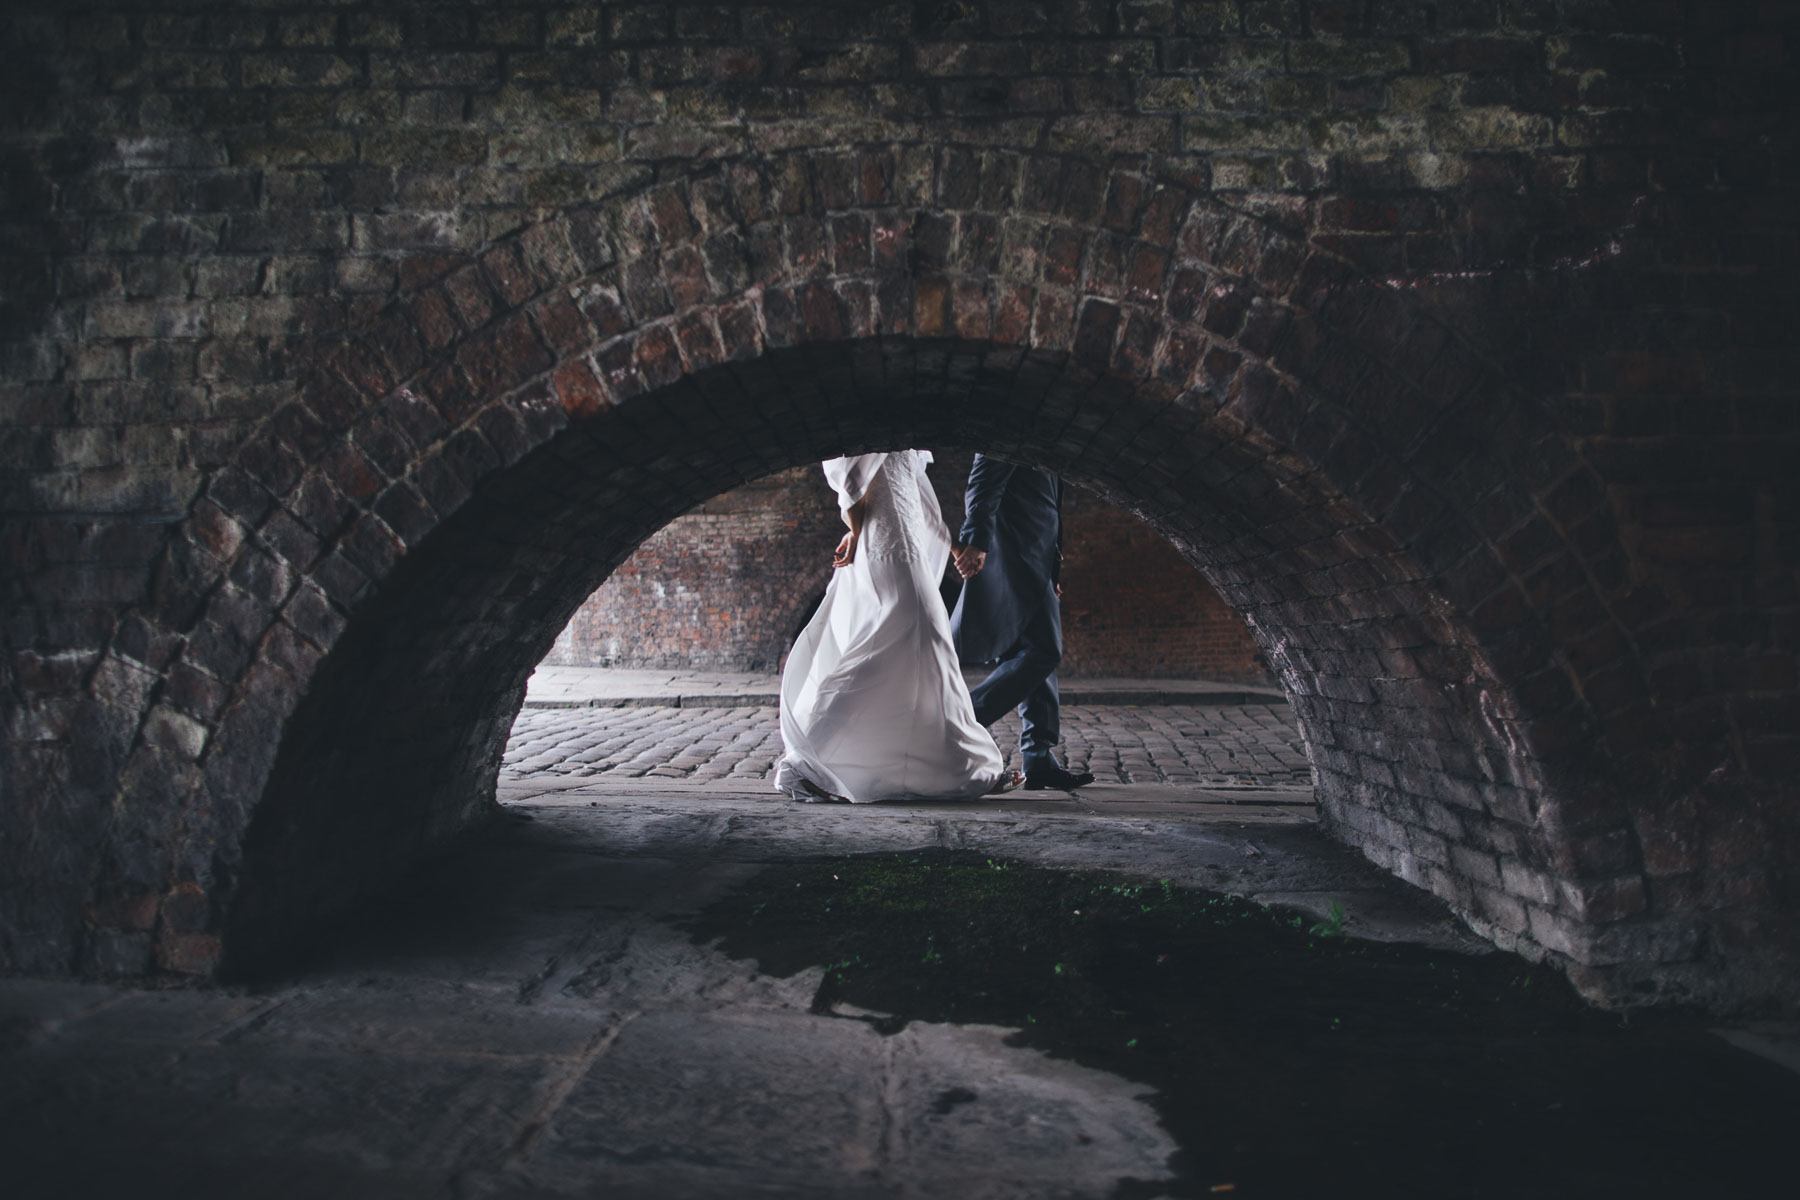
(1248, 744)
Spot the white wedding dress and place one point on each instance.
(873, 703)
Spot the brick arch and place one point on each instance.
(392, 725)
(1360, 484)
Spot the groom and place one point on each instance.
(1010, 555)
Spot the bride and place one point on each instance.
(873, 703)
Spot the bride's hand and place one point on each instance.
(846, 551)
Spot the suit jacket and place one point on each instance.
(1014, 514)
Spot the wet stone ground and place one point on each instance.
(656, 983)
(663, 991)
(1176, 743)
(1287, 1059)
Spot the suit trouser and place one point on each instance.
(1026, 679)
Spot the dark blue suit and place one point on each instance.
(1009, 612)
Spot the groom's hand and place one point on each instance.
(969, 561)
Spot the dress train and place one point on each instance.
(873, 703)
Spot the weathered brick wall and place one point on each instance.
(1132, 606)
(345, 348)
(728, 586)
(722, 588)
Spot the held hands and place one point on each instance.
(845, 554)
(969, 560)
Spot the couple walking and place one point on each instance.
(873, 703)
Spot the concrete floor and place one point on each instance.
(526, 1019)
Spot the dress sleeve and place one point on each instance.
(981, 503)
(850, 477)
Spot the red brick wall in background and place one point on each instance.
(1133, 606)
(723, 587)
(728, 585)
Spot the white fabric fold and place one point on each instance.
(873, 703)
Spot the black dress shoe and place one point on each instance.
(1053, 776)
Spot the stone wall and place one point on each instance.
(347, 347)
(728, 586)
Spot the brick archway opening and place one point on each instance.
(397, 743)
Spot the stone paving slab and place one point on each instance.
(669, 1075)
(1239, 745)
